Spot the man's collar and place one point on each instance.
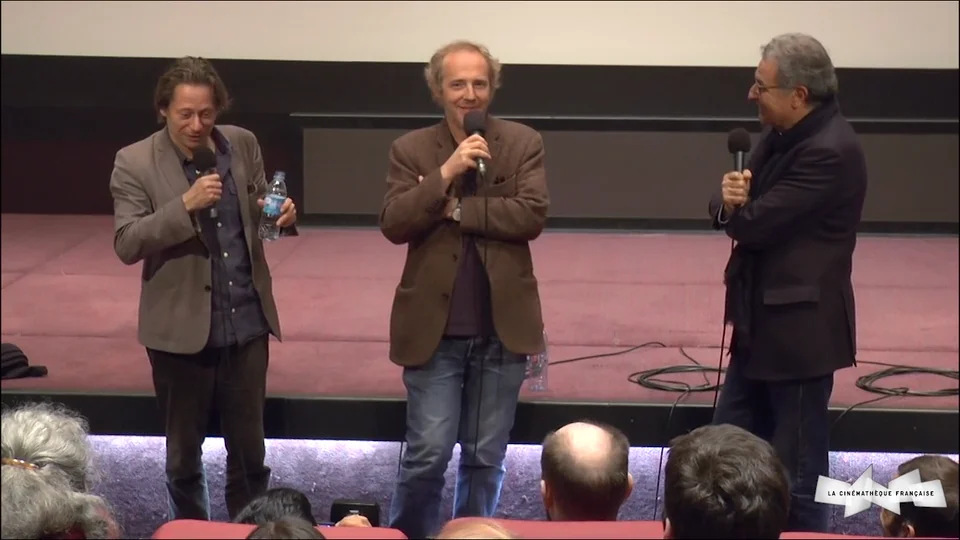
(811, 123)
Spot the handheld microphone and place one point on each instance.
(738, 143)
(475, 123)
(206, 163)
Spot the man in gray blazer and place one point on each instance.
(206, 301)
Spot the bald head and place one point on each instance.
(470, 528)
(588, 445)
(585, 472)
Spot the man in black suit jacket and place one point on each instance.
(793, 214)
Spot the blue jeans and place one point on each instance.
(794, 417)
(467, 394)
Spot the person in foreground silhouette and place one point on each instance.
(722, 481)
(585, 472)
(928, 522)
(466, 312)
(287, 527)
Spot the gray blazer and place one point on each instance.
(152, 225)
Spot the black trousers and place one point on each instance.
(794, 417)
(190, 388)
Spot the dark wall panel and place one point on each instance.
(621, 140)
(639, 175)
(399, 88)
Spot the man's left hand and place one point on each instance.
(451, 206)
(288, 213)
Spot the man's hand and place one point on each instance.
(465, 157)
(735, 189)
(288, 213)
(205, 192)
(448, 210)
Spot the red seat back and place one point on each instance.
(211, 530)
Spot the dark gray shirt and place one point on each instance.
(236, 315)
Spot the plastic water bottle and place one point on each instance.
(273, 201)
(537, 369)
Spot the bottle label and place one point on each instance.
(272, 205)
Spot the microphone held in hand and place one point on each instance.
(738, 143)
(475, 123)
(205, 163)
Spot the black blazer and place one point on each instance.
(789, 290)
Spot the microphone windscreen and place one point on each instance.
(204, 159)
(738, 141)
(475, 121)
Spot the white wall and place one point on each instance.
(858, 34)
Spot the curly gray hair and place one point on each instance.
(47, 473)
(803, 61)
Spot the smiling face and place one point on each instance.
(778, 106)
(464, 86)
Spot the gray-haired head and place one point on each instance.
(46, 474)
(803, 61)
(49, 436)
(39, 503)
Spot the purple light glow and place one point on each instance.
(133, 478)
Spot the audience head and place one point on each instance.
(461, 76)
(585, 472)
(473, 528)
(188, 98)
(46, 476)
(921, 521)
(290, 527)
(794, 75)
(724, 482)
(275, 504)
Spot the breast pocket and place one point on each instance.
(503, 188)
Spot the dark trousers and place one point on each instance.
(189, 388)
(793, 416)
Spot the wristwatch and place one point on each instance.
(455, 215)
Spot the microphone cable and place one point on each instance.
(488, 305)
(868, 383)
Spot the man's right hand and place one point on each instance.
(205, 192)
(735, 189)
(465, 157)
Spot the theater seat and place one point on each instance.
(211, 530)
(806, 536)
(640, 530)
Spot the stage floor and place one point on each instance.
(72, 306)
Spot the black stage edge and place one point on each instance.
(641, 224)
(860, 430)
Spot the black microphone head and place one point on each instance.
(204, 159)
(475, 121)
(738, 141)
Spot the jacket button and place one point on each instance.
(446, 296)
(207, 288)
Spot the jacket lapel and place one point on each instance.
(240, 177)
(445, 148)
(171, 168)
(493, 144)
